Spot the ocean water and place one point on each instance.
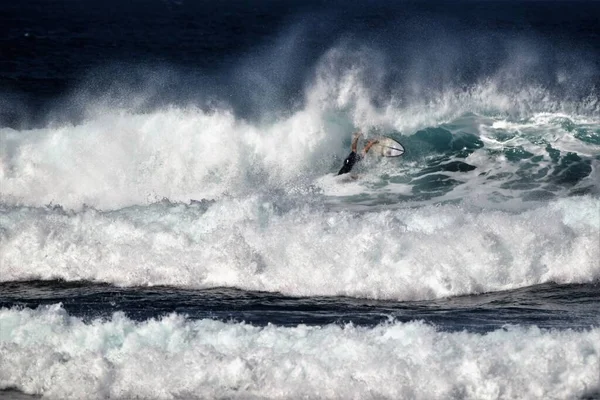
(171, 225)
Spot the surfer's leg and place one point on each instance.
(368, 146)
(355, 141)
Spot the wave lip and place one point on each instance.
(45, 351)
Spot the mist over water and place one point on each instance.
(259, 58)
(278, 111)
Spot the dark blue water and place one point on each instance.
(546, 306)
(259, 55)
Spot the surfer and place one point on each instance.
(354, 157)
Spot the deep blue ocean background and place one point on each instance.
(171, 226)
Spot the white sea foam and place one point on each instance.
(118, 157)
(262, 243)
(269, 230)
(50, 353)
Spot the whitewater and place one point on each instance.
(177, 358)
(172, 225)
(228, 204)
(190, 198)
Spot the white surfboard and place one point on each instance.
(388, 147)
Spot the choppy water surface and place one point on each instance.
(171, 225)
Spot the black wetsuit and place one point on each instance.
(349, 163)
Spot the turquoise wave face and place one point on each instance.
(542, 157)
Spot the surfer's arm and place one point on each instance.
(368, 146)
(355, 141)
